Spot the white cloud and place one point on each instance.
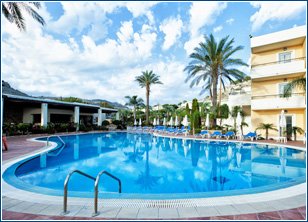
(193, 43)
(141, 8)
(275, 11)
(172, 27)
(201, 14)
(217, 29)
(204, 13)
(230, 21)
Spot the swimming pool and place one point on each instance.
(151, 166)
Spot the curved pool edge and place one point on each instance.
(298, 188)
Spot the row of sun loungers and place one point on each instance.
(227, 135)
(183, 130)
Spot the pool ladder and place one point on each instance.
(55, 136)
(95, 189)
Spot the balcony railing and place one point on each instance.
(277, 96)
(278, 62)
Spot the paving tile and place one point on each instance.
(230, 217)
(36, 217)
(73, 210)
(293, 201)
(278, 205)
(263, 217)
(5, 214)
(188, 212)
(146, 213)
(302, 210)
(9, 203)
(109, 212)
(21, 207)
(245, 208)
(128, 213)
(246, 217)
(272, 214)
(52, 210)
(262, 206)
(290, 215)
(226, 210)
(60, 218)
(207, 211)
(17, 216)
(168, 213)
(34, 209)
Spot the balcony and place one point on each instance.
(240, 99)
(297, 100)
(291, 66)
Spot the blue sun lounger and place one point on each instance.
(216, 133)
(228, 135)
(202, 134)
(251, 136)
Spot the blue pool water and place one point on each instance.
(158, 165)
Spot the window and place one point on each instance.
(281, 87)
(285, 57)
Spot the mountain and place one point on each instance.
(7, 89)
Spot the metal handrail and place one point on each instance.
(65, 188)
(96, 189)
(55, 136)
(277, 95)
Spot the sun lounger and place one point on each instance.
(178, 130)
(251, 136)
(202, 134)
(183, 131)
(228, 135)
(216, 133)
(173, 130)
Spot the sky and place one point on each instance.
(95, 50)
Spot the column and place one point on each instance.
(103, 116)
(44, 114)
(99, 118)
(117, 116)
(76, 116)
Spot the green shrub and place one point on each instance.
(195, 117)
(105, 123)
(23, 127)
(117, 122)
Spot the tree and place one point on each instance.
(234, 112)
(145, 81)
(135, 102)
(195, 120)
(295, 130)
(222, 112)
(266, 127)
(105, 104)
(299, 83)
(187, 109)
(12, 11)
(211, 60)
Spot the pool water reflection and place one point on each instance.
(157, 165)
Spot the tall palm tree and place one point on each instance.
(266, 127)
(135, 102)
(145, 81)
(211, 60)
(12, 11)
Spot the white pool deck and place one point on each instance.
(19, 200)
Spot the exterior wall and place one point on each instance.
(30, 111)
(272, 116)
(271, 55)
(268, 87)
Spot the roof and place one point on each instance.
(54, 102)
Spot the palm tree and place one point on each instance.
(266, 127)
(211, 60)
(145, 81)
(135, 102)
(12, 11)
(294, 130)
(295, 83)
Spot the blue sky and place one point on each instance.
(94, 50)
